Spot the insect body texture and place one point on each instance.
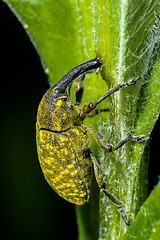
(62, 141)
(65, 161)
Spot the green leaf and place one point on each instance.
(126, 36)
(53, 29)
(131, 48)
(147, 221)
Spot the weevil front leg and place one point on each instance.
(88, 107)
(99, 177)
(78, 88)
(78, 85)
(96, 111)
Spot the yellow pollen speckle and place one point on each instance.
(70, 166)
(81, 194)
(59, 103)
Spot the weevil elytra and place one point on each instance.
(62, 141)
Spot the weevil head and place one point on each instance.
(54, 94)
(55, 112)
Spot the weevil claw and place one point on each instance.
(124, 216)
(131, 81)
(140, 138)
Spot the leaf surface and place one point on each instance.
(147, 221)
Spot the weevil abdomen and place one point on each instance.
(66, 164)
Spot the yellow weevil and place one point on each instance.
(62, 141)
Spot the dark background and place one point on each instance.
(29, 207)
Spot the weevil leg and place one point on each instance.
(96, 112)
(100, 139)
(78, 88)
(102, 185)
(97, 169)
(88, 107)
(109, 147)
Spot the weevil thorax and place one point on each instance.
(55, 112)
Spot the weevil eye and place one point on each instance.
(60, 90)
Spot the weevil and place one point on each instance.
(62, 143)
